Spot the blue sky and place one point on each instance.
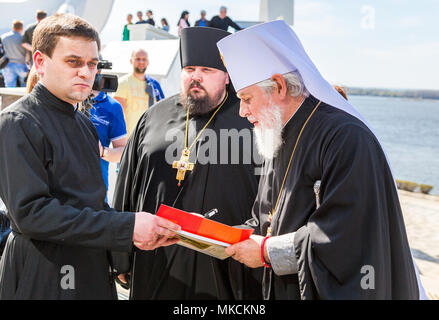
(375, 43)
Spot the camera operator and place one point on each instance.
(107, 116)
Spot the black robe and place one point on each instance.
(359, 222)
(146, 180)
(51, 183)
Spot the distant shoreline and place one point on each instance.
(393, 93)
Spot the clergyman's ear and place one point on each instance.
(281, 85)
(39, 62)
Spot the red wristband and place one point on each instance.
(266, 265)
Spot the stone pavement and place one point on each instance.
(421, 217)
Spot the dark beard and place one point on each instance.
(199, 106)
(139, 71)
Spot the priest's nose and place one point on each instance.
(243, 110)
(196, 76)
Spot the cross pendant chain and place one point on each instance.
(183, 165)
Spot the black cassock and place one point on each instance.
(359, 223)
(51, 183)
(219, 180)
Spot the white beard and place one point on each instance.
(269, 133)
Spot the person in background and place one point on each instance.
(140, 17)
(137, 91)
(108, 119)
(342, 91)
(126, 31)
(165, 25)
(183, 22)
(26, 42)
(150, 20)
(223, 22)
(202, 22)
(16, 68)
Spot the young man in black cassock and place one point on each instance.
(223, 177)
(52, 185)
(327, 203)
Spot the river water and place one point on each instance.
(408, 130)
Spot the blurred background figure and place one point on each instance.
(183, 22)
(150, 20)
(126, 31)
(26, 42)
(16, 69)
(165, 25)
(137, 91)
(202, 22)
(342, 91)
(222, 21)
(107, 116)
(140, 17)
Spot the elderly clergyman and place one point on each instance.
(330, 221)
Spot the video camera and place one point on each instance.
(105, 82)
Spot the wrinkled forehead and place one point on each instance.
(248, 91)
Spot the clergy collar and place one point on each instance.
(41, 92)
(299, 117)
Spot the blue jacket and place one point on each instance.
(154, 90)
(5, 229)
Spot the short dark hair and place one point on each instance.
(149, 11)
(41, 14)
(48, 32)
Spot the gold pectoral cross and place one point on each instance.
(183, 165)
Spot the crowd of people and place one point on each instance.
(323, 206)
(220, 21)
(17, 49)
(16, 45)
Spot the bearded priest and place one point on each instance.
(194, 152)
(327, 204)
